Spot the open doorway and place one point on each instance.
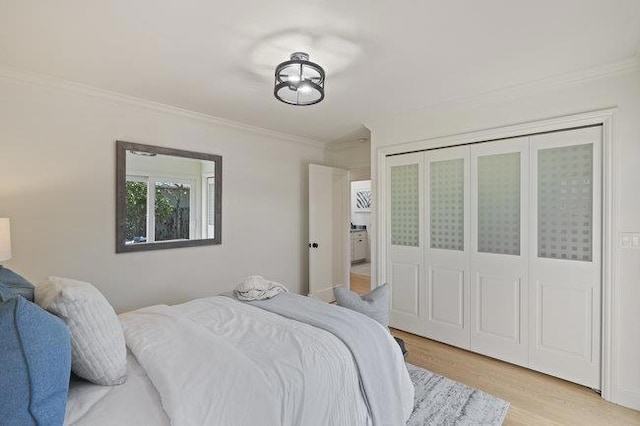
(360, 273)
(353, 153)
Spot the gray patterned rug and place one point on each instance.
(441, 401)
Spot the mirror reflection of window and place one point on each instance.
(162, 198)
(168, 199)
(166, 213)
(173, 213)
(211, 206)
(136, 210)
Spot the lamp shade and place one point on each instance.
(5, 239)
(299, 81)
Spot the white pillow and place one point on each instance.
(98, 350)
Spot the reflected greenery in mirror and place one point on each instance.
(166, 198)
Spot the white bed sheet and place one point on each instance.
(135, 402)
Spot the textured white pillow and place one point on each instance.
(98, 350)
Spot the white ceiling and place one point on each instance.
(381, 57)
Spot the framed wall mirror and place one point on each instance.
(166, 198)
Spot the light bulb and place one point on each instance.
(294, 78)
(304, 88)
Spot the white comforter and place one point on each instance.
(217, 361)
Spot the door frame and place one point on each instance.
(603, 117)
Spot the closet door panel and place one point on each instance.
(406, 292)
(446, 296)
(499, 230)
(565, 261)
(498, 301)
(446, 252)
(405, 270)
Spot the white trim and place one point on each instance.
(518, 129)
(610, 305)
(14, 74)
(604, 117)
(627, 398)
(337, 146)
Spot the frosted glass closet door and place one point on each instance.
(446, 253)
(404, 227)
(565, 259)
(499, 228)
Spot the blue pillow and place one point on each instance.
(11, 281)
(35, 350)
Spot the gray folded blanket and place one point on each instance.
(385, 382)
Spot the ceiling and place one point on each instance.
(381, 57)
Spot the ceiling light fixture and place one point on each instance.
(299, 81)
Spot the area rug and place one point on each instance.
(441, 401)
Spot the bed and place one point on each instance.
(219, 361)
(283, 360)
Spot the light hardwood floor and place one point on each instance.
(535, 398)
(361, 284)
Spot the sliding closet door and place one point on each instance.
(446, 252)
(565, 258)
(499, 262)
(404, 177)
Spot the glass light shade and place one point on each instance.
(5, 239)
(299, 81)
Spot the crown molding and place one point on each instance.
(337, 146)
(532, 88)
(16, 75)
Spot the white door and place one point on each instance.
(565, 255)
(446, 249)
(328, 230)
(499, 249)
(404, 230)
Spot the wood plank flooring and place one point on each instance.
(361, 284)
(536, 399)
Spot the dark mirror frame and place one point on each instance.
(121, 177)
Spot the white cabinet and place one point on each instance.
(358, 246)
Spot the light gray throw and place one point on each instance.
(374, 305)
(383, 374)
(256, 287)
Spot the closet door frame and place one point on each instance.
(605, 118)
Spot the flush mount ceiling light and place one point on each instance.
(299, 81)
